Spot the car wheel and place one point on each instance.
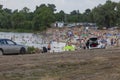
(22, 51)
(1, 52)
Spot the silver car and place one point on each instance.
(8, 46)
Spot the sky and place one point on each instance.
(66, 5)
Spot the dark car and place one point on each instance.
(8, 46)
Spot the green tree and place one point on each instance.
(5, 18)
(28, 17)
(105, 15)
(18, 20)
(43, 16)
(117, 9)
(60, 16)
(74, 16)
(87, 15)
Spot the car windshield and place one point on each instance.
(2, 42)
(93, 39)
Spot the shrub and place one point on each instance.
(31, 50)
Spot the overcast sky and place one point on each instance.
(66, 5)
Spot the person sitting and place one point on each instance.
(44, 50)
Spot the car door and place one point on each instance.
(4, 46)
(12, 47)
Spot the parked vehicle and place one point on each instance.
(8, 46)
(94, 43)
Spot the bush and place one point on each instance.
(31, 50)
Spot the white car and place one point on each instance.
(93, 43)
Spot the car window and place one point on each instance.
(2, 42)
(93, 39)
(10, 42)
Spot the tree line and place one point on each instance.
(106, 15)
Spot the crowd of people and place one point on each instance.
(78, 36)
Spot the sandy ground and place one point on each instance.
(96, 64)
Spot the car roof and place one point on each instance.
(4, 39)
(93, 38)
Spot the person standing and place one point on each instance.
(49, 47)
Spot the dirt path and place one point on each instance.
(79, 65)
